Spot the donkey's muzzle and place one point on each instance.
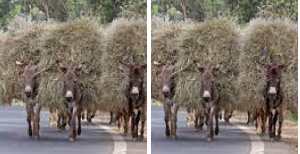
(28, 94)
(69, 99)
(206, 99)
(134, 96)
(166, 93)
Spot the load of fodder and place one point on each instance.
(75, 42)
(121, 34)
(164, 47)
(265, 41)
(214, 42)
(23, 47)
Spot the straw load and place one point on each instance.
(164, 47)
(214, 42)
(22, 45)
(126, 40)
(267, 40)
(75, 42)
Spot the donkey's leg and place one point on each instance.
(144, 118)
(201, 120)
(126, 121)
(79, 120)
(280, 116)
(175, 121)
(270, 127)
(73, 124)
(217, 123)
(167, 121)
(29, 118)
(274, 119)
(36, 111)
(133, 120)
(263, 116)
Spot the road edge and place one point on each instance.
(120, 145)
(257, 144)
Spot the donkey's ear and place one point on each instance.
(282, 66)
(143, 66)
(61, 66)
(159, 67)
(79, 68)
(218, 68)
(199, 67)
(21, 66)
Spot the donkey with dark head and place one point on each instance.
(274, 98)
(210, 96)
(166, 78)
(72, 94)
(136, 95)
(29, 73)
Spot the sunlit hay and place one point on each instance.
(24, 47)
(164, 47)
(75, 42)
(214, 42)
(121, 34)
(267, 40)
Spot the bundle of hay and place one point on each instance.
(213, 42)
(24, 47)
(121, 34)
(267, 40)
(75, 42)
(164, 47)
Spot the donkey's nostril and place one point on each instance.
(206, 99)
(166, 93)
(69, 99)
(28, 93)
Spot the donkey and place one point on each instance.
(166, 74)
(210, 96)
(28, 74)
(273, 99)
(72, 94)
(136, 96)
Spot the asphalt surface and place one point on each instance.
(231, 139)
(14, 139)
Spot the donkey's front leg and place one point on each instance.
(79, 120)
(36, 120)
(73, 124)
(144, 118)
(29, 117)
(217, 122)
(174, 119)
(280, 114)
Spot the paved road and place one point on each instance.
(93, 140)
(231, 140)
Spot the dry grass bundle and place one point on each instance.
(213, 42)
(25, 46)
(267, 40)
(164, 47)
(120, 34)
(75, 42)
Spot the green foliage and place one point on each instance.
(243, 10)
(63, 10)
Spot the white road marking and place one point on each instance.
(120, 146)
(257, 145)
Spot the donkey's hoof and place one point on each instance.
(71, 139)
(209, 139)
(30, 133)
(272, 139)
(135, 139)
(167, 134)
(216, 131)
(79, 132)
